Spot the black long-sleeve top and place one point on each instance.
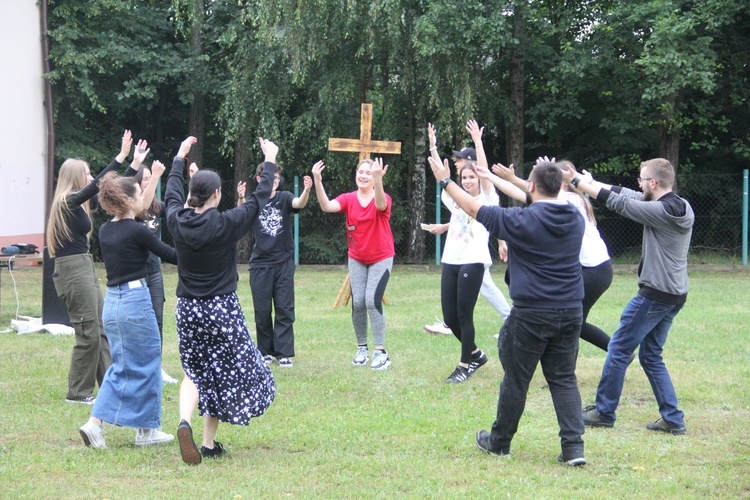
(77, 220)
(126, 245)
(206, 242)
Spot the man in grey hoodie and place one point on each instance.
(663, 285)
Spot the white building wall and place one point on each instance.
(23, 127)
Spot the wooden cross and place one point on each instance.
(364, 146)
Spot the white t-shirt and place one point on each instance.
(466, 241)
(593, 248)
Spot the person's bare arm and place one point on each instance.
(326, 205)
(157, 170)
(476, 135)
(301, 200)
(504, 186)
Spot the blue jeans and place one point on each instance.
(644, 322)
(528, 337)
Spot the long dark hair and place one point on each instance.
(156, 205)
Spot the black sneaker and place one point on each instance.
(189, 451)
(215, 452)
(484, 443)
(663, 426)
(571, 461)
(592, 419)
(477, 361)
(87, 400)
(460, 374)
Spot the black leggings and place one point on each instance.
(596, 281)
(459, 290)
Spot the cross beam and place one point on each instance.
(365, 145)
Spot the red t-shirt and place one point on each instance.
(368, 230)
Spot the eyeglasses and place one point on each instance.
(641, 179)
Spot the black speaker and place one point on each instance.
(53, 308)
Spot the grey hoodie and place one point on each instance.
(667, 228)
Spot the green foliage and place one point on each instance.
(604, 81)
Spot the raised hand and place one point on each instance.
(140, 153)
(157, 169)
(474, 130)
(439, 170)
(542, 159)
(308, 182)
(185, 146)
(270, 150)
(507, 173)
(192, 169)
(127, 142)
(432, 135)
(482, 171)
(317, 170)
(241, 189)
(378, 170)
(568, 174)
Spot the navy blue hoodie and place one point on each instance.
(544, 243)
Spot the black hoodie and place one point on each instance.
(205, 242)
(544, 243)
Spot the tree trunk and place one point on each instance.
(669, 140)
(416, 193)
(241, 166)
(197, 123)
(669, 146)
(514, 127)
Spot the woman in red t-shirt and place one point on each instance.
(371, 251)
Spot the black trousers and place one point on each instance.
(596, 281)
(459, 291)
(527, 338)
(273, 289)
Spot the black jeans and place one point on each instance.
(527, 337)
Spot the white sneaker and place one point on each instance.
(166, 379)
(285, 362)
(151, 437)
(362, 356)
(93, 436)
(438, 327)
(380, 360)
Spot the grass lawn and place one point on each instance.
(339, 431)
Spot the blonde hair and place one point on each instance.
(589, 209)
(661, 170)
(72, 177)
